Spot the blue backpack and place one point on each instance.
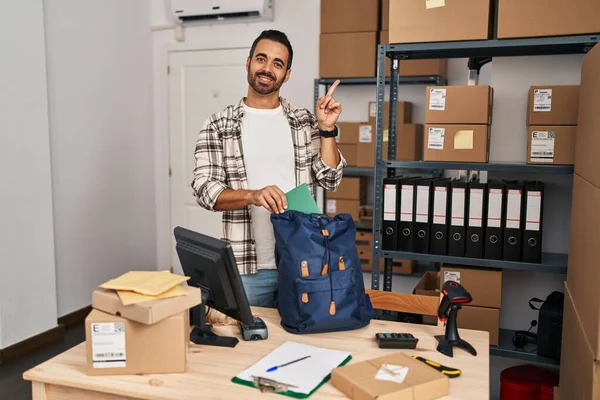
(321, 287)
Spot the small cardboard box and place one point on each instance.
(429, 285)
(553, 105)
(348, 132)
(349, 189)
(551, 145)
(538, 18)
(480, 319)
(403, 113)
(461, 143)
(424, 67)
(340, 16)
(358, 380)
(484, 285)
(119, 346)
(366, 215)
(149, 312)
(409, 144)
(364, 238)
(348, 55)
(417, 21)
(349, 151)
(334, 207)
(459, 104)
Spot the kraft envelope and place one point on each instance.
(150, 283)
(128, 297)
(463, 140)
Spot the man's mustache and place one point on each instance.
(268, 75)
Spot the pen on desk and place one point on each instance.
(287, 363)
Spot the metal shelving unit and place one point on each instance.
(478, 53)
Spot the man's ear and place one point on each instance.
(247, 64)
(287, 75)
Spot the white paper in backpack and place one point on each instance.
(542, 100)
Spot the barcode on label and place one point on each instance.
(109, 355)
(119, 327)
(542, 153)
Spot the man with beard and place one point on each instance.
(251, 153)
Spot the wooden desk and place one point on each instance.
(210, 369)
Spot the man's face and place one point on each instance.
(267, 69)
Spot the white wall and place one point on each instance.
(27, 272)
(100, 98)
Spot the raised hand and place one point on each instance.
(328, 109)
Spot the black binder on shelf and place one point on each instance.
(513, 222)
(458, 212)
(476, 211)
(406, 218)
(440, 216)
(422, 208)
(389, 224)
(532, 234)
(492, 248)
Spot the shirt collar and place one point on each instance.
(238, 110)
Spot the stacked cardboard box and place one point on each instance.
(348, 41)
(485, 286)
(364, 245)
(429, 285)
(580, 350)
(552, 124)
(144, 338)
(346, 199)
(457, 123)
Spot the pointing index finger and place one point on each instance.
(332, 88)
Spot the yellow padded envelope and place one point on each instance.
(128, 297)
(149, 283)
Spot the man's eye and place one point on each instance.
(278, 65)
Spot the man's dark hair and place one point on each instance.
(276, 36)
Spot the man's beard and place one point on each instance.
(264, 87)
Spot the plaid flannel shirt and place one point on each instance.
(220, 165)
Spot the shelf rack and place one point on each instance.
(478, 52)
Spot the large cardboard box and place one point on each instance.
(485, 285)
(401, 267)
(364, 238)
(385, 15)
(349, 151)
(403, 113)
(462, 143)
(119, 346)
(424, 67)
(579, 366)
(587, 162)
(348, 55)
(459, 104)
(415, 21)
(340, 16)
(553, 105)
(349, 189)
(357, 380)
(551, 145)
(480, 319)
(334, 207)
(409, 144)
(535, 18)
(348, 132)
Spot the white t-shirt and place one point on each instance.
(269, 159)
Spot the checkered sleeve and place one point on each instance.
(209, 174)
(327, 177)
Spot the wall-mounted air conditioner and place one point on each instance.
(221, 11)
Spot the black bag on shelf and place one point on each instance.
(549, 332)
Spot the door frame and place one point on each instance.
(162, 135)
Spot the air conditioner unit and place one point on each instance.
(221, 11)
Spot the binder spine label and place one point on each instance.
(513, 209)
(534, 211)
(494, 219)
(476, 207)
(458, 207)
(406, 203)
(389, 202)
(422, 204)
(440, 197)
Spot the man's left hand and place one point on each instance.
(328, 109)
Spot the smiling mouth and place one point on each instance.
(265, 79)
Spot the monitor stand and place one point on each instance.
(202, 332)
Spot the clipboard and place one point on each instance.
(289, 381)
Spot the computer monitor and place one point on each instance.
(210, 265)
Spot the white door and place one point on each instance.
(200, 83)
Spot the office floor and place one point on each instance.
(12, 385)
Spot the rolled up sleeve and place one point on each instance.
(209, 174)
(326, 176)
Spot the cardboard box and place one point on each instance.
(459, 104)
(364, 238)
(462, 143)
(403, 113)
(401, 267)
(357, 380)
(409, 144)
(149, 312)
(551, 145)
(349, 151)
(348, 132)
(536, 18)
(579, 367)
(348, 55)
(553, 105)
(349, 189)
(385, 15)
(366, 215)
(428, 285)
(119, 346)
(334, 207)
(416, 21)
(485, 285)
(480, 319)
(424, 67)
(587, 162)
(340, 16)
